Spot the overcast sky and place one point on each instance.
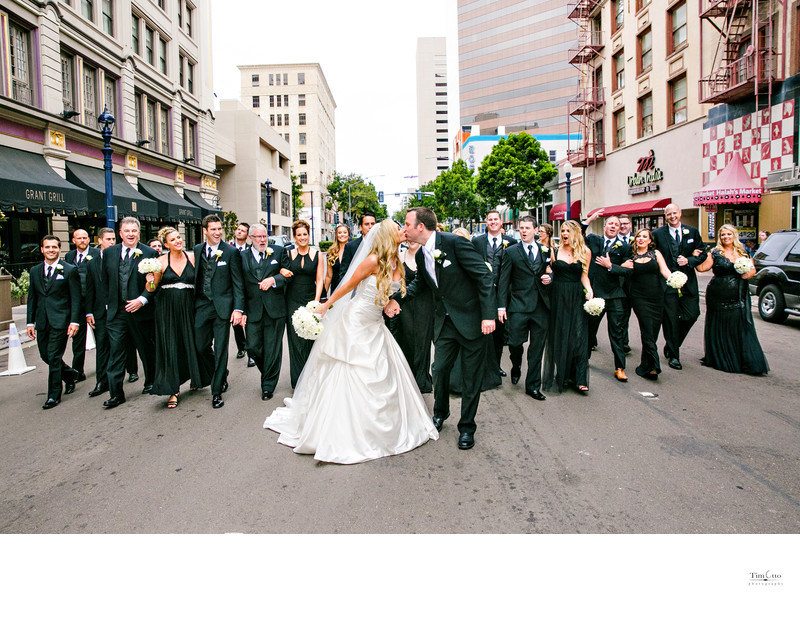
(367, 51)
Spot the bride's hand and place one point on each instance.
(392, 308)
(321, 310)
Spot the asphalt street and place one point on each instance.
(699, 451)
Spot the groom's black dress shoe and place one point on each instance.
(466, 441)
(516, 373)
(437, 422)
(133, 377)
(675, 363)
(147, 389)
(114, 401)
(216, 401)
(536, 394)
(50, 403)
(265, 396)
(240, 354)
(98, 390)
(502, 373)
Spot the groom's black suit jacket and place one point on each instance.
(465, 290)
(482, 245)
(112, 258)
(226, 278)
(271, 302)
(520, 289)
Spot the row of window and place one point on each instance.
(104, 10)
(154, 127)
(283, 120)
(278, 101)
(677, 113)
(86, 89)
(150, 44)
(277, 79)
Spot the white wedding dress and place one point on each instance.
(356, 399)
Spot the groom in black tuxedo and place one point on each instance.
(53, 314)
(219, 301)
(465, 308)
(265, 306)
(129, 309)
(683, 250)
(524, 301)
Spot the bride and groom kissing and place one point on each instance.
(357, 372)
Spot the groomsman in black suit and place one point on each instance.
(239, 242)
(365, 224)
(525, 303)
(491, 246)
(219, 300)
(79, 257)
(465, 308)
(606, 275)
(265, 306)
(129, 310)
(53, 312)
(683, 250)
(96, 299)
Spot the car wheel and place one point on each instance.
(771, 304)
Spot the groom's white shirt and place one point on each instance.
(430, 262)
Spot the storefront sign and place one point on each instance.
(647, 174)
(712, 225)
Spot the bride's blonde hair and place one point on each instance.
(385, 247)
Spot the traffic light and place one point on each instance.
(380, 197)
(336, 218)
(419, 195)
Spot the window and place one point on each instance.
(303, 178)
(189, 12)
(180, 14)
(280, 101)
(90, 112)
(272, 120)
(619, 128)
(162, 55)
(162, 4)
(302, 120)
(137, 113)
(285, 79)
(280, 120)
(286, 119)
(303, 158)
(256, 102)
(87, 9)
(677, 25)
(599, 138)
(277, 79)
(135, 34)
(552, 156)
(189, 139)
(641, 4)
(164, 128)
(20, 61)
(646, 116)
(108, 17)
(189, 76)
(678, 100)
(152, 129)
(302, 139)
(181, 65)
(618, 7)
(271, 79)
(68, 81)
(254, 80)
(301, 100)
(301, 78)
(619, 70)
(149, 35)
(110, 95)
(286, 100)
(645, 51)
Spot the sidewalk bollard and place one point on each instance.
(16, 358)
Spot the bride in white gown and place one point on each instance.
(356, 398)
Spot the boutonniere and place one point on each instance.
(545, 249)
(268, 251)
(488, 265)
(136, 252)
(217, 254)
(438, 255)
(59, 267)
(88, 257)
(686, 231)
(505, 244)
(616, 245)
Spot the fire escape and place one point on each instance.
(749, 51)
(585, 111)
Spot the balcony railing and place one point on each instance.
(587, 101)
(21, 92)
(587, 155)
(590, 43)
(737, 79)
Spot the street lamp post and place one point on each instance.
(268, 185)
(568, 176)
(107, 120)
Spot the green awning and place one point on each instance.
(196, 199)
(128, 200)
(29, 184)
(172, 207)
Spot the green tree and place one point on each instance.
(454, 193)
(362, 196)
(514, 174)
(297, 196)
(229, 223)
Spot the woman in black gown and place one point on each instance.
(647, 298)
(413, 328)
(307, 268)
(731, 343)
(333, 259)
(566, 358)
(176, 358)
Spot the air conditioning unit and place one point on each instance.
(781, 179)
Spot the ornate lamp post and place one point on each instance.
(268, 185)
(568, 175)
(107, 121)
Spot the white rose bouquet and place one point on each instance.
(306, 323)
(677, 280)
(594, 306)
(146, 266)
(743, 265)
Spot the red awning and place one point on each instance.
(634, 207)
(732, 185)
(559, 212)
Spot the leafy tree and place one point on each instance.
(362, 196)
(514, 173)
(297, 196)
(229, 223)
(455, 195)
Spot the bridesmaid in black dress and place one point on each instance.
(334, 259)
(176, 358)
(647, 285)
(307, 266)
(413, 328)
(566, 359)
(731, 341)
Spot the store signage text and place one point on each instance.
(43, 195)
(646, 176)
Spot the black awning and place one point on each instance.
(196, 199)
(28, 183)
(172, 207)
(128, 200)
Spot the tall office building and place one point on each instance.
(432, 140)
(513, 65)
(297, 103)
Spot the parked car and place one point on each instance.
(777, 278)
(280, 240)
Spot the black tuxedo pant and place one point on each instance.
(627, 305)
(616, 322)
(79, 346)
(240, 337)
(680, 314)
(211, 330)
(125, 329)
(447, 347)
(522, 327)
(265, 346)
(131, 360)
(52, 343)
(102, 351)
